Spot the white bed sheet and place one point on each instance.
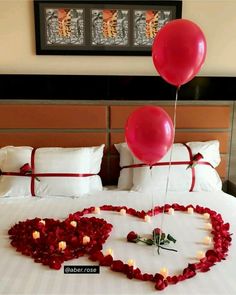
(20, 275)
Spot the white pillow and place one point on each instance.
(51, 160)
(180, 179)
(125, 181)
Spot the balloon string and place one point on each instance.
(152, 192)
(169, 167)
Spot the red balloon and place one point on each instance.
(149, 133)
(178, 51)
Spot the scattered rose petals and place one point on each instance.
(45, 250)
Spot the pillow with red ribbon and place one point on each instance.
(192, 169)
(26, 171)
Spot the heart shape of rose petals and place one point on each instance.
(72, 231)
(51, 242)
(221, 239)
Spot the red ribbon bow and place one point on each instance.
(26, 169)
(195, 160)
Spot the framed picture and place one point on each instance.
(74, 27)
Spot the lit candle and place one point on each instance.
(109, 251)
(208, 226)
(147, 218)
(42, 221)
(206, 215)
(131, 262)
(62, 246)
(86, 240)
(36, 234)
(200, 255)
(122, 212)
(190, 210)
(207, 240)
(171, 211)
(164, 272)
(97, 210)
(73, 223)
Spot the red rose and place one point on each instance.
(25, 169)
(195, 160)
(132, 237)
(157, 231)
(197, 157)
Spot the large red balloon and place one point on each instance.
(149, 133)
(178, 51)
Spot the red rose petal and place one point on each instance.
(161, 284)
(106, 261)
(117, 265)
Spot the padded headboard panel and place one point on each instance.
(78, 123)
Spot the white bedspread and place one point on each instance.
(20, 275)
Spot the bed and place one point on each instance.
(21, 275)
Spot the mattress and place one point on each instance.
(21, 275)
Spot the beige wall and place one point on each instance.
(217, 18)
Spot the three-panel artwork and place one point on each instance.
(107, 28)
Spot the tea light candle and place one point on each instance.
(171, 211)
(208, 226)
(147, 218)
(86, 240)
(109, 251)
(42, 222)
(73, 223)
(131, 262)
(97, 210)
(207, 240)
(62, 246)
(200, 255)
(36, 234)
(206, 215)
(164, 272)
(190, 210)
(122, 212)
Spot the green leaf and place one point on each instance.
(170, 238)
(149, 242)
(166, 241)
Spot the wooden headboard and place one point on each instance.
(80, 123)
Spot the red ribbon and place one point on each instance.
(32, 185)
(190, 162)
(192, 167)
(31, 173)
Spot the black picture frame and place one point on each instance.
(86, 27)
